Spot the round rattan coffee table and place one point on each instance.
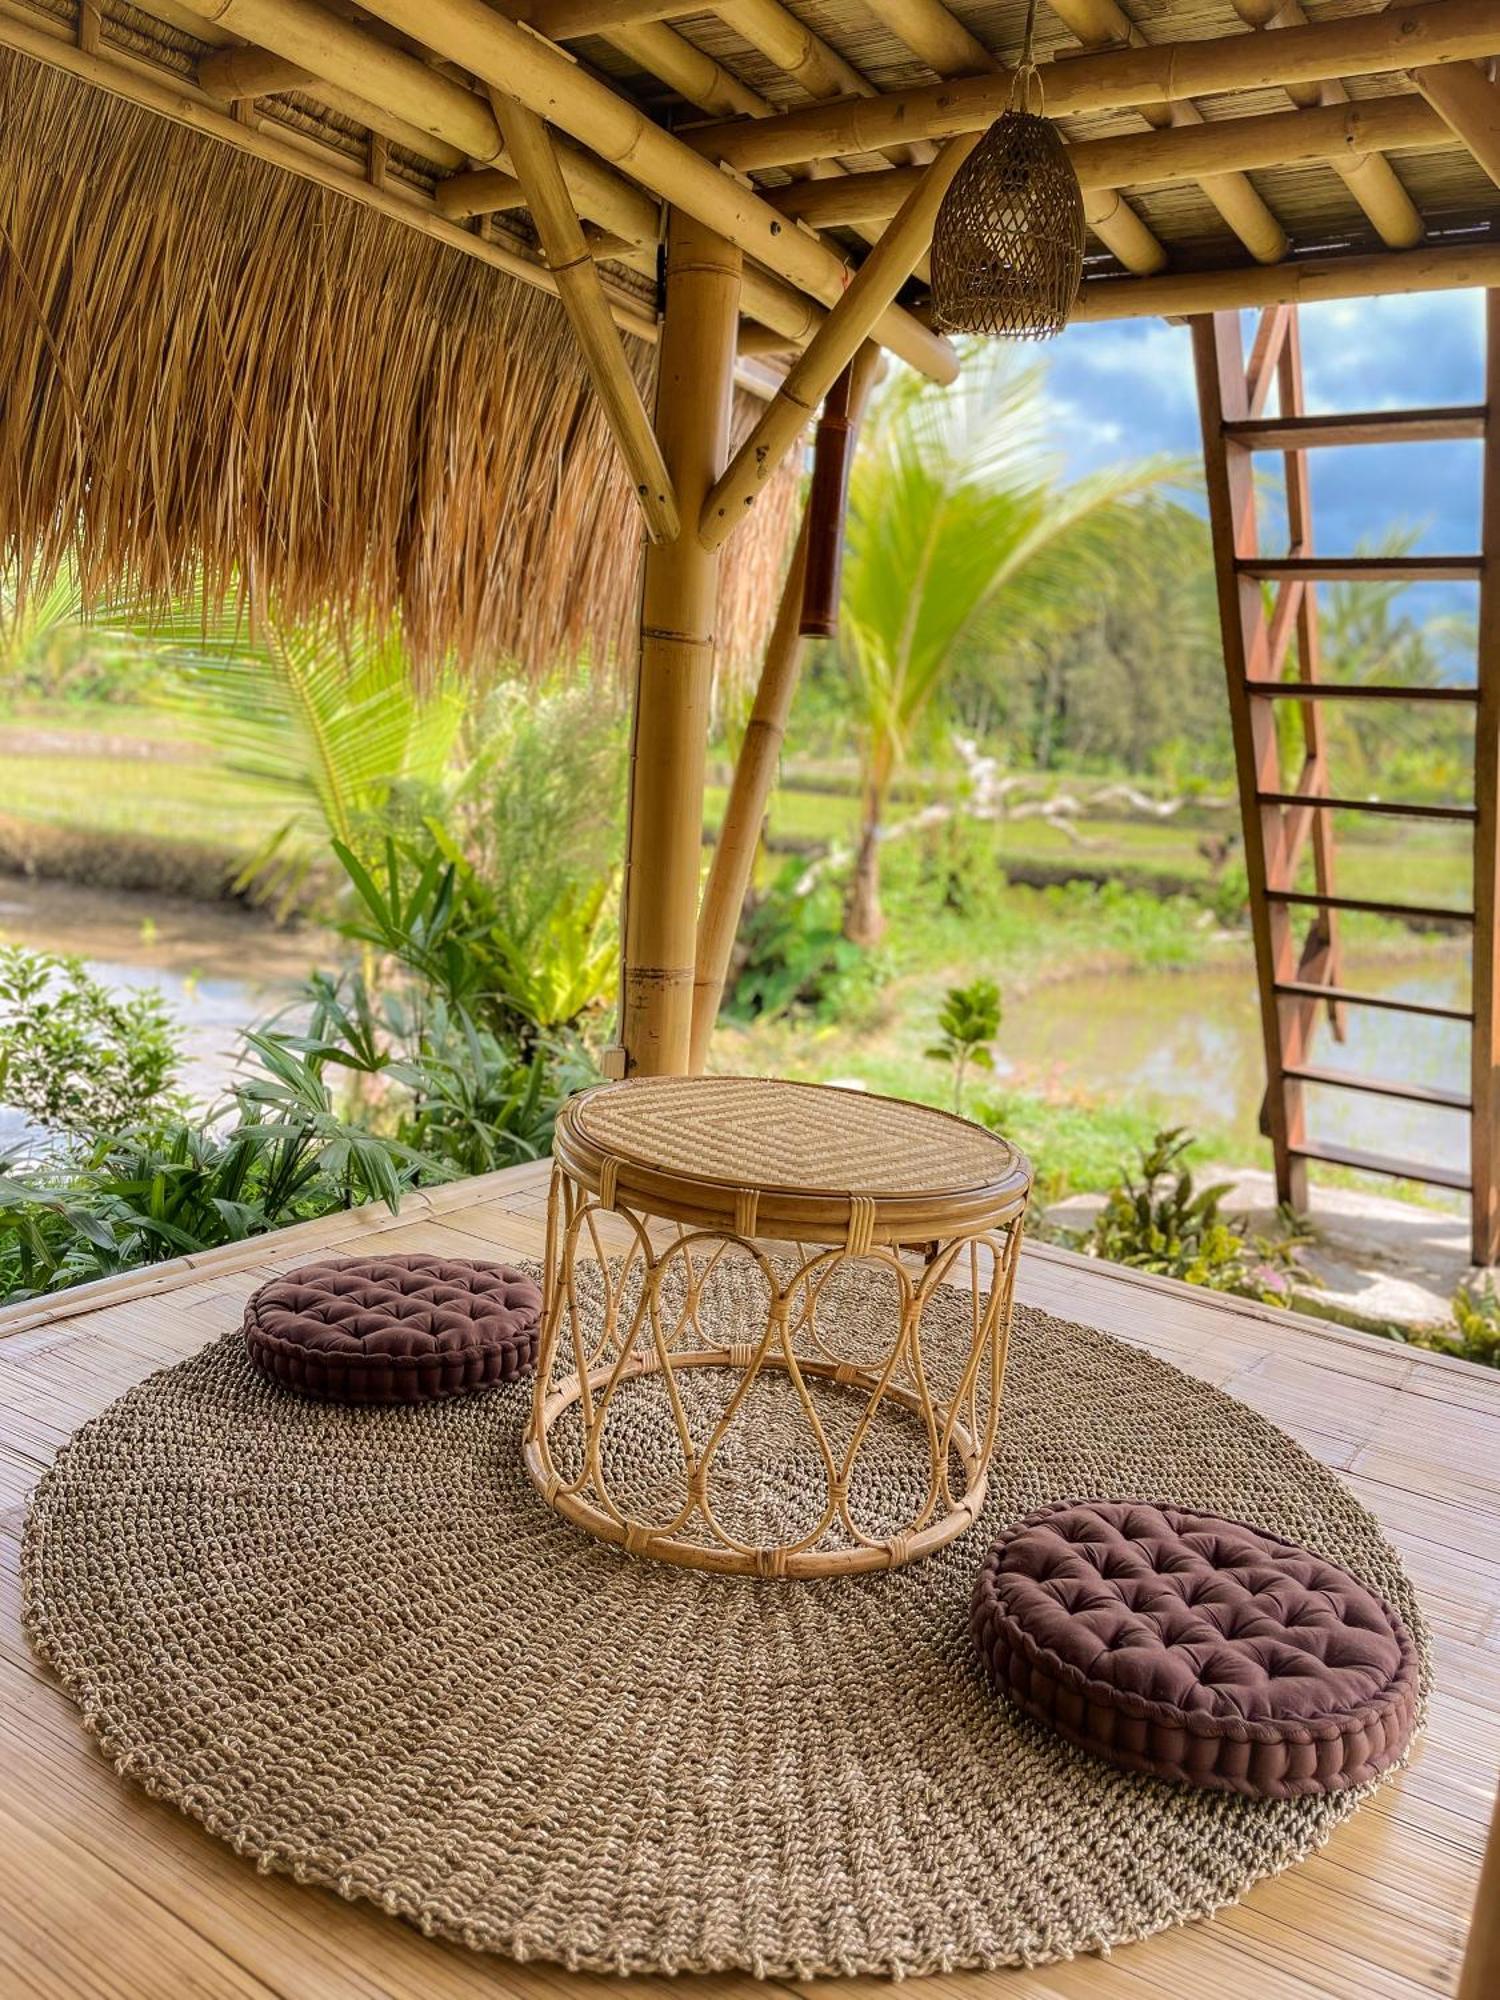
(803, 1452)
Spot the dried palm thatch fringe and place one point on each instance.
(213, 370)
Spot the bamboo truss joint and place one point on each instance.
(852, 321)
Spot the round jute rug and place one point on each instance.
(356, 1644)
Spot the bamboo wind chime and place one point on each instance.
(1007, 248)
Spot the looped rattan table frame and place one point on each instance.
(793, 1182)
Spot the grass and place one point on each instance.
(1404, 861)
(174, 802)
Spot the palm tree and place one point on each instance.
(333, 723)
(956, 511)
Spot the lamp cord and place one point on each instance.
(1027, 72)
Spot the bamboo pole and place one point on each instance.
(1183, 153)
(745, 808)
(508, 58)
(1470, 105)
(50, 41)
(1117, 79)
(1370, 178)
(755, 768)
(675, 670)
(834, 344)
(1382, 275)
(1479, 1976)
(237, 76)
(1101, 24)
(564, 20)
(485, 191)
(571, 263)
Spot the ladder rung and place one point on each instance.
(1322, 802)
(1377, 1086)
(1377, 1163)
(1464, 420)
(1307, 989)
(1363, 569)
(1372, 906)
(1355, 691)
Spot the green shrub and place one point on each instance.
(377, 1094)
(793, 957)
(1476, 1316)
(1156, 1220)
(75, 1057)
(968, 1022)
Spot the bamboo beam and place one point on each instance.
(512, 59)
(832, 347)
(485, 191)
(945, 44)
(1118, 79)
(569, 20)
(571, 263)
(678, 607)
(1369, 178)
(168, 96)
(1101, 24)
(662, 52)
(1182, 153)
(238, 75)
(1386, 273)
(1470, 105)
(1141, 159)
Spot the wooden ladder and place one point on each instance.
(1271, 657)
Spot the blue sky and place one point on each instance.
(1126, 388)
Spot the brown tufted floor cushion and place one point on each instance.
(1196, 1648)
(393, 1329)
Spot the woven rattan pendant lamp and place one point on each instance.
(1007, 248)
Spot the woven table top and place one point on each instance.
(683, 1145)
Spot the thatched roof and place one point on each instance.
(211, 368)
(271, 302)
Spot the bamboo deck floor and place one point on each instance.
(105, 1893)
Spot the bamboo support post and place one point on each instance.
(1479, 1977)
(1115, 80)
(571, 263)
(1369, 177)
(1469, 104)
(859, 313)
(759, 754)
(1101, 24)
(678, 606)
